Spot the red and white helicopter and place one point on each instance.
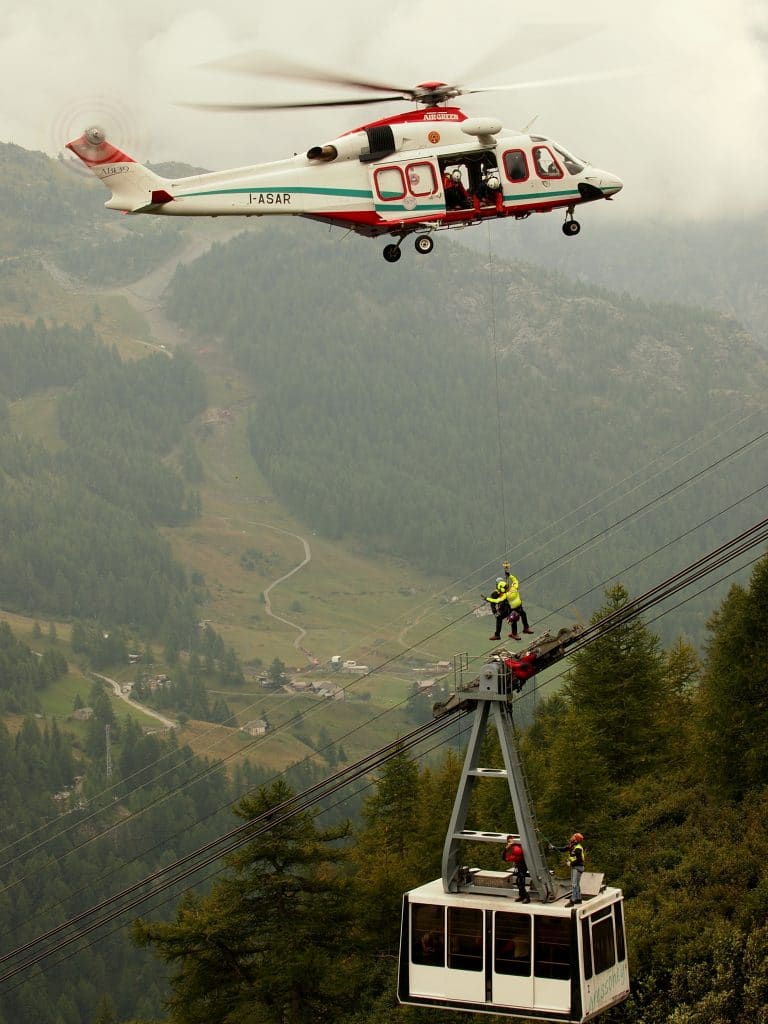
(417, 172)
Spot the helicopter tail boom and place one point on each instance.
(134, 187)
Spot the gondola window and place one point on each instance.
(552, 948)
(465, 937)
(428, 934)
(513, 944)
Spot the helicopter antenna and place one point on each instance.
(530, 124)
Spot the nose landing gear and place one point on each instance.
(392, 253)
(424, 244)
(571, 226)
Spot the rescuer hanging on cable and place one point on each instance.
(499, 603)
(515, 603)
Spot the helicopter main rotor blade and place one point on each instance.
(259, 63)
(542, 83)
(242, 107)
(530, 43)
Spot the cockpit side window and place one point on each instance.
(516, 165)
(546, 165)
(572, 164)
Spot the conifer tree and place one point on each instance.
(271, 943)
(733, 702)
(619, 685)
(383, 851)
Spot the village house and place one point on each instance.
(258, 727)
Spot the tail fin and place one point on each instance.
(134, 188)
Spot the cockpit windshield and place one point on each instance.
(572, 163)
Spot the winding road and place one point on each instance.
(134, 703)
(268, 604)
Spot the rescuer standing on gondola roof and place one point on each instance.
(575, 861)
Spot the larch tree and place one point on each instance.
(271, 943)
(383, 853)
(618, 682)
(734, 689)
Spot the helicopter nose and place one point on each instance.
(599, 184)
(610, 185)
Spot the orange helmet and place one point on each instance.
(577, 837)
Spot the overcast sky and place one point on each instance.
(685, 127)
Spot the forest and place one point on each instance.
(78, 522)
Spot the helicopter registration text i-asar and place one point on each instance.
(413, 173)
(466, 943)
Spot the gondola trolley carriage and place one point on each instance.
(466, 942)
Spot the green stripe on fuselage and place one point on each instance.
(357, 193)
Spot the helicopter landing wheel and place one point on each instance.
(571, 227)
(392, 253)
(424, 244)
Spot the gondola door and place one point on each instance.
(512, 970)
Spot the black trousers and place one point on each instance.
(521, 612)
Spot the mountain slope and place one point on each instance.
(377, 416)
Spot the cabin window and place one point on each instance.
(465, 938)
(516, 165)
(428, 934)
(603, 942)
(552, 947)
(421, 179)
(621, 946)
(546, 165)
(390, 183)
(586, 942)
(512, 946)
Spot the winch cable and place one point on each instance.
(494, 343)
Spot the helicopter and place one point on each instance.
(414, 173)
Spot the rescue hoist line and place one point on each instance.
(498, 390)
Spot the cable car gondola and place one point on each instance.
(467, 943)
